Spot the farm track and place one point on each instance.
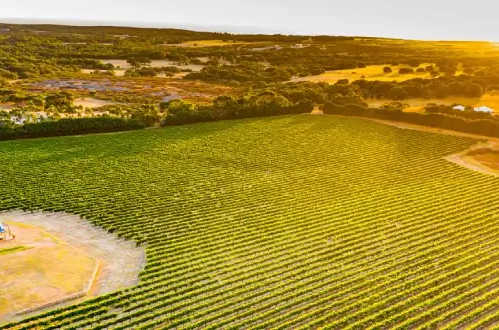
(294, 222)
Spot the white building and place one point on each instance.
(484, 109)
(459, 107)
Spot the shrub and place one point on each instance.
(69, 126)
(406, 71)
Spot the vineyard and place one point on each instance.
(292, 222)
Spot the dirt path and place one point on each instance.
(119, 261)
(469, 162)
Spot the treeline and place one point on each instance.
(442, 87)
(17, 124)
(265, 104)
(68, 126)
(485, 127)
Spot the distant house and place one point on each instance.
(459, 107)
(484, 109)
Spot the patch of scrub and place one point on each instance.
(68, 260)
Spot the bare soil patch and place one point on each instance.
(89, 102)
(45, 270)
(69, 260)
(122, 65)
(489, 160)
(117, 72)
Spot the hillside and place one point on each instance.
(291, 221)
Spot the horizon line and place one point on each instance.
(213, 28)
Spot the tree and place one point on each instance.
(397, 94)
(147, 114)
(387, 69)
(469, 71)
(406, 71)
(474, 90)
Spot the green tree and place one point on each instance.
(474, 90)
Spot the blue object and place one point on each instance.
(2, 229)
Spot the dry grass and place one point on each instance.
(488, 160)
(89, 102)
(208, 43)
(40, 269)
(417, 105)
(372, 72)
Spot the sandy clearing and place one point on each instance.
(122, 64)
(471, 163)
(117, 72)
(120, 261)
(89, 102)
(490, 160)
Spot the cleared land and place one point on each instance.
(40, 269)
(117, 72)
(328, 222)
(155, 64)
(89, 102)
(57, 259)
(372, 72)
(417, 105)
(489, 160)
(207, 43)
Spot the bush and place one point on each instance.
(406, 71)
(69, 126)
(387, 69)
(474, 90)
(397, 94)
(485, 127)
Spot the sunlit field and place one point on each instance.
(297, 221)
(417, 105)
(373, 72)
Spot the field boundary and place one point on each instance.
(460, 158)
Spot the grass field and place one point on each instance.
(372, 72)
(289, 222)
(417, 105)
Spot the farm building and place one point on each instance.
(484, 109)
(459, 107)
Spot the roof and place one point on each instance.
(484, 109)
